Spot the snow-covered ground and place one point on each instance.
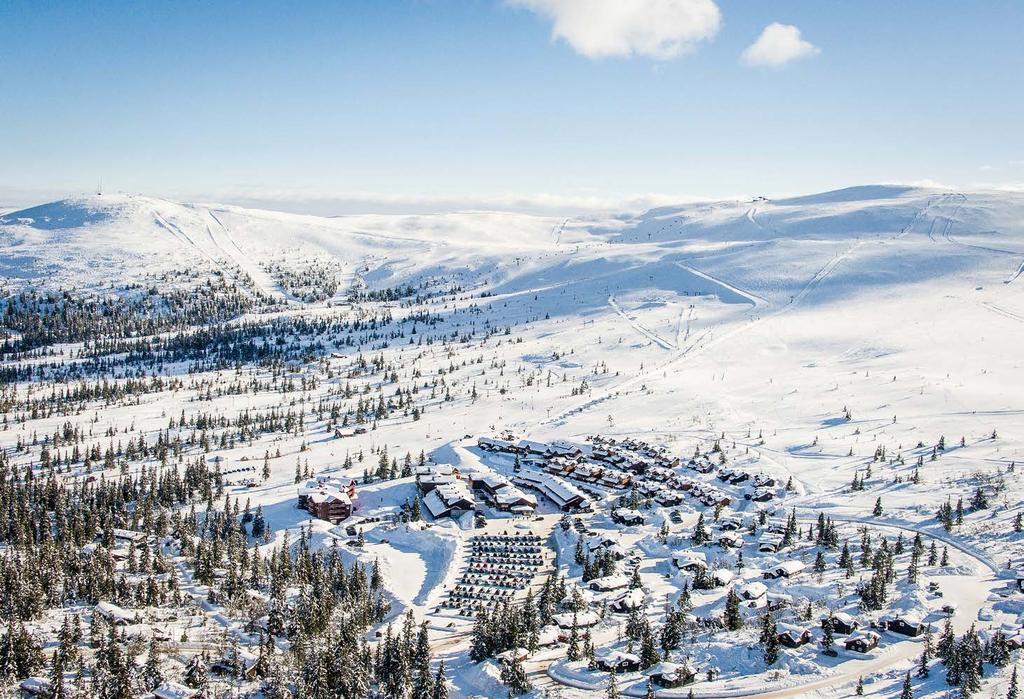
(808, 334)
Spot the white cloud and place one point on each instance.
(778, 45)
(655, 28)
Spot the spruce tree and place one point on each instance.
(612, 688)
(573, 651)
(440, 683)
(648, 649)
(827, 636)
(514, 676)
(700, 532)
(908, 690)
(769, 640)
(733, 619)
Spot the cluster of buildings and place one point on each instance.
(602, 462)
(448, 492)
(621, 464)
(566, 496)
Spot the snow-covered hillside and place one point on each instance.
(839, 242)
(828, 342)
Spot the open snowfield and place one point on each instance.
(806, 335)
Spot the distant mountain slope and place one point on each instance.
(837, 242)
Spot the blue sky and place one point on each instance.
(435, 104)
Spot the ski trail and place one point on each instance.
(708, 340)
(556, 231)
(258, 275)
(231, 238)
(1003, 312)
(752, 217)
(824, 273)
(932, 203)
(683, 325)
(753, 298)
(639, 327)
(705, 341)
(177, 232)
(946, 233)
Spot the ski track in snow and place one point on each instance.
(753, 298)
(1002, 311)
(947, 234)
(258, 275)
(640, 327)
(177, 232)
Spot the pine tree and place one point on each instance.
(859, 691)
(423, 681)
(152, 676)
(877, 511)
(733, 619)
(573, 651)
(769, 640)
(979, 501)
(57, 690)
(947, 641)
(1013, 692)
(970, 659)
(440, 683)
(514, 676)
(648, 648)
(908, 690)
(827, 636)
(926, 654)
(999, 650)
(700, 532)
(480, 645)
(612, 689)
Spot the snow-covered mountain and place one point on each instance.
(837, 243)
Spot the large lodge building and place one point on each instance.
(328, 498)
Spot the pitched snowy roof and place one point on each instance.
(173, 690)
(632, 599)
(610, 582)
(791, 630)
(790, 567)
(585, 618)
(752, 590)
(112, 611)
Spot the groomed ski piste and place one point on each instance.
(626, 420)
